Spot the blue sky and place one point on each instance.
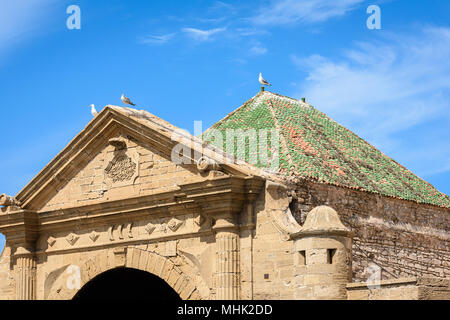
(199, 60)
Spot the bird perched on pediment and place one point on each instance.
(93, 110)
(126, 100)
(263, 81)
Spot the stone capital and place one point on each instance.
(225, 222)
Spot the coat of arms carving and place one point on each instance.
(121, 168)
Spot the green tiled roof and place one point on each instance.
(315, 147)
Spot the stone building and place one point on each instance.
(113, 214)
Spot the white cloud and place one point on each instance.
(386, 91)
(306, 11)
(153, 39)
(258, 50)
(202, 35)
(247, 32)
(220, 5)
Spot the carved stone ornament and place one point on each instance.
(94, 236)
(72, 238)
(51, 241)
(7, 201)
(121, 168)
(150, 227)
(174, 224)
(205, 164)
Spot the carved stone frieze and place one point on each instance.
(120, 232)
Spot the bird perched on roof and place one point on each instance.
(93, 111)
(126, 100)
(263, 81)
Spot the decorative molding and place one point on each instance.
(130, 230)
(120, 231)
(120, 227)
(110, 233)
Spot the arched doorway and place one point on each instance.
(126, 284)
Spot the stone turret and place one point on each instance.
(323, 259)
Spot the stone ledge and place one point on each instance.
(382, 283)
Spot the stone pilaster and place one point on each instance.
(26, 273)
(228, 260)
(21, 229)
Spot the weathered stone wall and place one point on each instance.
(401, 289)
(273, 261)
(403, 237)
(7, 281)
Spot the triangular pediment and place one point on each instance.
(122, 153)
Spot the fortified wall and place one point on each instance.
(404, 238)
(114, 200)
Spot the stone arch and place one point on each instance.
(184, 283)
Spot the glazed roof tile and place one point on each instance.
(315, 147)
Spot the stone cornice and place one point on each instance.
(20, 228)
(220, 195)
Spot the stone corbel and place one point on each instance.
(205, 164)
(278, 198)
(8, 202)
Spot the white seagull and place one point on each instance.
(93, 111)
(263, 81)
(126, 100)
